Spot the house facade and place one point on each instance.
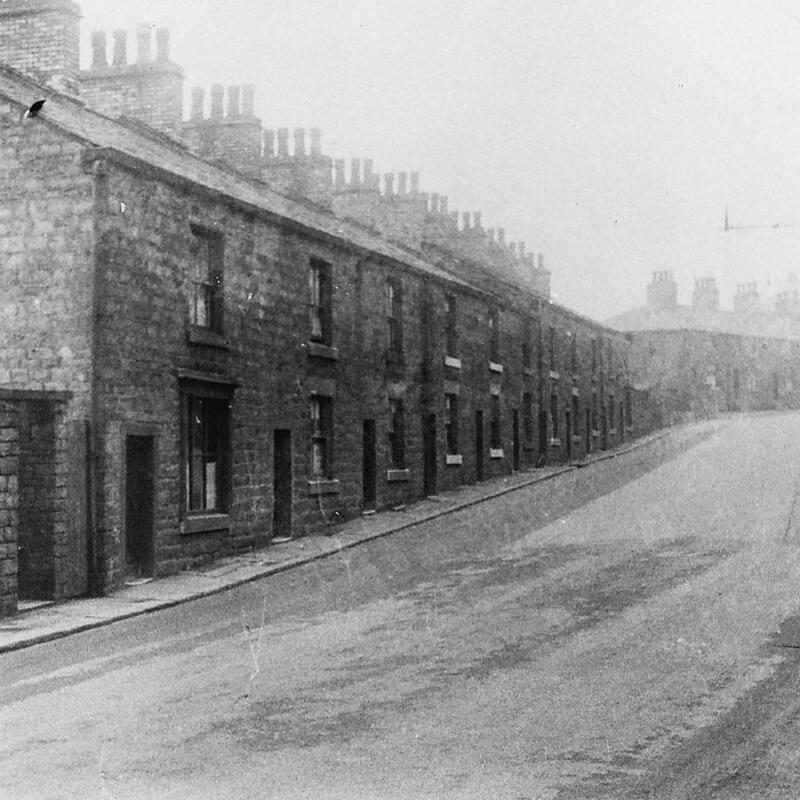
(208, 344)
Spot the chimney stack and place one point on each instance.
(99, 59)
(217, 100)
(198, 99)
(662, 293)
(705, 296)
(143, 44)
(162, 45)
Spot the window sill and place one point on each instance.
(529, 446)
(495, 367)
(453, 362)
(320, 486)
(529, 372)
(577, 439)
(612, 431)
(203, 523)
(595, 433)
(453, 460)
(496, 452)
(397, 475)
(554, 376)
(207, 338)
(555, 441)
(575, 391)
(395, 358)
(320, 350)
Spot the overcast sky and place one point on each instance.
(609, 134)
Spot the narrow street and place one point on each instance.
(641, 645)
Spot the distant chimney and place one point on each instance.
(120, 55)
(705, 296)
(283, 142)
(143, 44)
(162, 45)
(233, 102)
(316, 143)
(217, 101)
(662, 293)
(99, 58)
(198, 99)
(42, 40)
(746, 299)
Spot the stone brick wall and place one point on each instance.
(9, 502)
(41, 38)
(46, 252)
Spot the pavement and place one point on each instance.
(37, 623)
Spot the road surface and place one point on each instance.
(643, 644)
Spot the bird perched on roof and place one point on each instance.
(34, 110)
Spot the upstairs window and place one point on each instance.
(594, 355)
(321, 412)
(394, 314)
(551, 331)
(206, 452)
(319, 302)
(451, 339)
(451, 423)
(554, 414)
(594, 412)
(612, 413)
(527, 416)
(629, 409)
(494, 335)
(576, 420)
(397, 450)
(206, 300)
(527, 344)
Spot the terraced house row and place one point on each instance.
(207, 343)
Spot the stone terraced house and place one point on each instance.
(208, 343)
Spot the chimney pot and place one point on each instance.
(512, 247)
(269, 143)
(120, 54)
(233, 102)
(388, 181)
(316, 142)
(490, 234)
(415, 183)
(217, 97)
(465, 221)
(540, 259)
(443, 204)
(299, 142)
(283, 142)
(476, 218)
(99, 50)
(198, 98)
(143, 43)
(501, 236)
(162, 45)
(521, 249)
(248, 101)
(435, 203)
(355, 173)
(402, 183)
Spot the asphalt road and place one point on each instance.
(641, 644)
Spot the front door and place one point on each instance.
(588, 431)
(479, 445)
(542, 439)
(282, 485)
(515, 434)
(139, 506)
(369, 465)
(429, 446)
(569, 435)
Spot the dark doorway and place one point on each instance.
(139, 506)
(588, 431)
(542, 439)
(516, 443)
(568, 433)
(369, 466)
(479, 445)
(281, 484)
(604, 429)
(429, 446)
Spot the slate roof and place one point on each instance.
(158, 151)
